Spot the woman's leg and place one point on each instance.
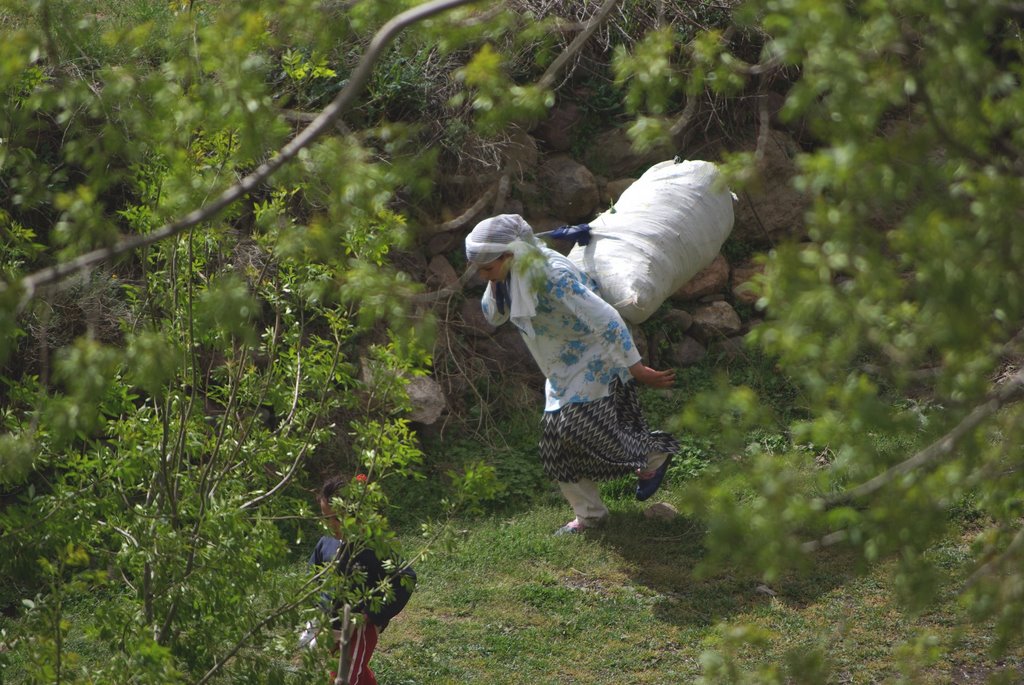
(654, 460)
(585, 499)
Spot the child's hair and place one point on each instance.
(331, 486)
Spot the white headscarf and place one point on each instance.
(490, 239)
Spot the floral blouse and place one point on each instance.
(580, 342)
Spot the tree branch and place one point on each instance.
(304, 594)
(324, 120)
(991, 566)
(467, 216)
(1009, 392)
(431, 297)
(548, 79)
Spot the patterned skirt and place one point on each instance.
(600, 440)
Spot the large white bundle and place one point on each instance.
(667, 226)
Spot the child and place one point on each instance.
(364, 565)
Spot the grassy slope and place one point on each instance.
(514, 604)
(508, 602)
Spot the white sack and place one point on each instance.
(667, 226)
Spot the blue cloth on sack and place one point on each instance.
(577, 234)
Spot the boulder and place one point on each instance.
(427, 399)
(679, 319)
(570, 188)
(520, 155)
(661, 511)
(741, 285)
(612, 190)
(772, 208)
(555, 132)
(728, 349)
(715, 320)
(687, 352)
(440, 243)
(440, 273)
(711, 279)
(612, 155)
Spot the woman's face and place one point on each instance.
(497, 269)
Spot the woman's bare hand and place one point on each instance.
(650, 377)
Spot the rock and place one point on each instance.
(440, 273)
(661, 511)
(473, 318)
(427, 398)
(520, 154)
(773, 208)
(571, 188)
(713, 278)
(533, 199)
(411, 262)
(441, 243)
(715, 320)
(741, 285)
(425, 394)
(555, 132)
(612, 155)
(728, 349)
(613, 190)
(680, 319)
(658, 342)
(511, 205)
(687, 352)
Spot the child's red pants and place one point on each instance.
(364, 641)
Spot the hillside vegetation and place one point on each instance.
(232, 264)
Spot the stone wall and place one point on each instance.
(549, 187)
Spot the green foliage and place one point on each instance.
(496, 100)
(161, 463)
(907, 287)
(648, 73)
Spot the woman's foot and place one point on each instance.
(574, 527)
(578, 525)
(649, 482)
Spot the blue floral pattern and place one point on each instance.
(580, 342)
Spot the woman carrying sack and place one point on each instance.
(592, 428)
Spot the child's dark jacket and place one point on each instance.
(330, 548)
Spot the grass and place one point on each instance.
(512, 604)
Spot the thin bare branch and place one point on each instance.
(685, 119)
(360, 75)
(467, 216)
(301, 456)
(556, 67)
(824, 541)
(993, 566)
(436, 295)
